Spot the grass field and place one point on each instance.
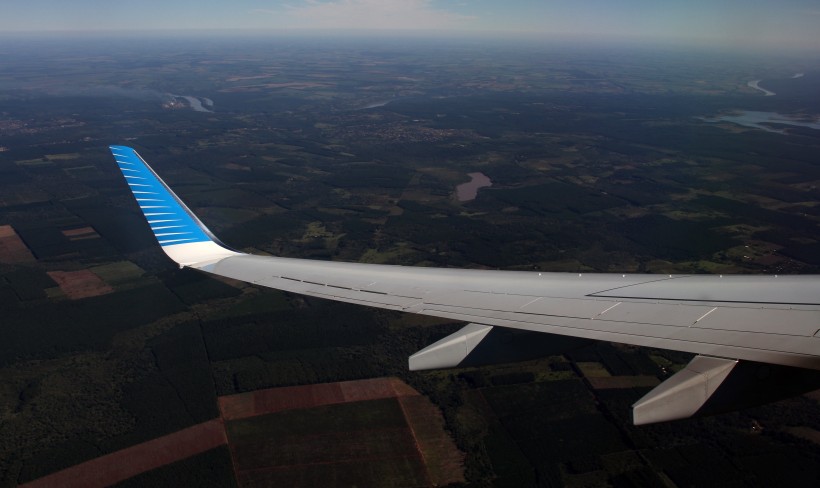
(62, 157)
(118, 273)
(593, 369)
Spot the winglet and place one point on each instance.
(182, 236)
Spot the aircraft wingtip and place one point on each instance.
(174, 225)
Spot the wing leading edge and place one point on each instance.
(771, 320)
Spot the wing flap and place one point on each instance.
(789, 322)
(774, 289)
(767, 348)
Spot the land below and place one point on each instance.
(606, 160)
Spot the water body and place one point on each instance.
(196, 103)
(761, 120)
(468, 191)
(755, 84)
(798, 75)
(375, 104)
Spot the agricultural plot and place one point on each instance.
(12, 248)
(118, 273)
(366, 443)
(444, 462)
(127, 463)
(599, 378)
(275, 400)
(377, 432)
(81, 234)
(80, 284)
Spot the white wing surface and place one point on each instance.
(759, 319)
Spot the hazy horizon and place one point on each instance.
(749, 25)
(404, 39)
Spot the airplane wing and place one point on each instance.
(735, 324)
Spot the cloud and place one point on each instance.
(368, 14)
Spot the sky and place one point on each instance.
(789, 23)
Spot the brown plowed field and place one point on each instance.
(121, 465)
(275, 400)
(375, 432)
(80, 284)
(81, 234)
(12, 248)
(442, 458)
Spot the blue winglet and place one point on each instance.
(170, 220)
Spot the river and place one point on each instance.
(756, 85)
(759, 120)
(196, 103)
